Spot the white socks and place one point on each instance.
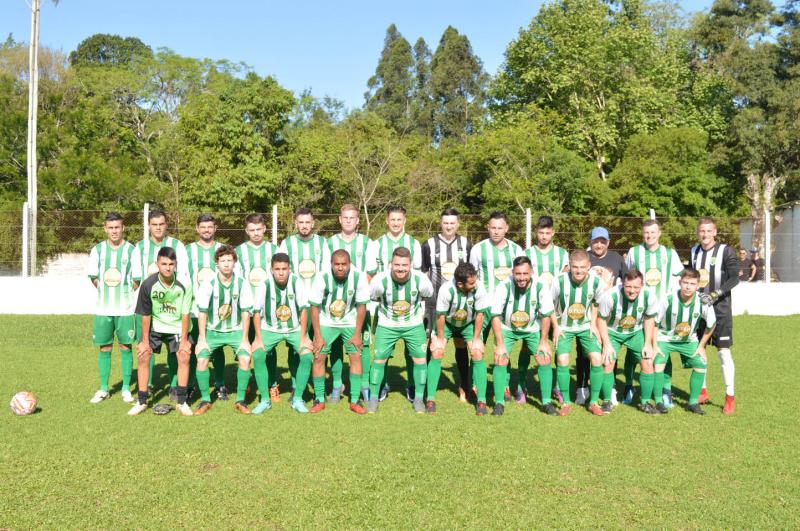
(728, 369)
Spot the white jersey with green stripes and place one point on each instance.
(548, 264)
(255, 262)
(148, 253)
(224, 304)
(400, 305)
(625, 316)
(494, 263)
(362, 250)
(306, 257)
(573, 302)
(522, 310)
(115, 269)
(386, 244)
(678, 321)
(280, 307)
(661, 268)
(338, 301)
(459, 309)
(202, 266)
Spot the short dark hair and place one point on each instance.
(650, 223)
(156, 213)
(544, 222)
(340, 252)
(464, 271)
(396, 208)
(303, 211)
(401, 252)
(690, 272)
(167, 252)
(632, 274)
(279, 258)
(254, 219)
(224, 250)
(498, 215)
(520, 260)
(449, 212)
(113, 216)
(202, 218)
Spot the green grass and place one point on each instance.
(77, 465)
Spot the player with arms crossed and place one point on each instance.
(224, 304)
(113, 270)
(521, 311)
(338, 301)
(460, 310)
(164, 305)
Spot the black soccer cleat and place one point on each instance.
(696, 409)
(550, 409)
(480, 409)
(662, 408)
(649, 409)
(498, 410)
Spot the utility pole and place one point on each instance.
(33, 107)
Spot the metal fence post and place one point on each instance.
(275, 224)
(527, 228)
(25, 236)
(145, 215)
(767, 245)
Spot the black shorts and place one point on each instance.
(723, 332)
(172, 341)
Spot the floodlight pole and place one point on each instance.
(33, 97)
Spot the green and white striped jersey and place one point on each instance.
(548, 264)
(148, 253)
(678, 321)
(115, 270)
(202, 266)
(522, 310)
(459, 309)
(338, 300)
(281, 307)
(494, 263)
(661, 268)
(363, 252)
(254, 263)
(306, 257)
(385, 246)
(626, 316)
(400, 305)
(224, 304)
(573, 302)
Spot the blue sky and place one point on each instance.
(330, 47)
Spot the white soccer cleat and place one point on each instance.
(127, 396)
(99, 396)
(614, 400)
(581, 395)
(136, 409)
(184, 410)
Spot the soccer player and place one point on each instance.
(281, 314)
(626, 316)
(338, 301)
(461, 305)
(679, 318)
(441, 254)
(575, 295)
(164, 305)
(661, 268)
(399, 292)
(719, 274)
(363, 256)
(113, 270)
(224, 303)
(521, 311)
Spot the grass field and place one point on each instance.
(77, 465)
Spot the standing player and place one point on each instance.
(678, 321)
(460, 310)
(661, 268)
(363, 256)
(224, 304)
(719, 274)
(441, 254)
(399, 292)
(164, 305)
(627, 317)
(575, 295)
(521, 311)
(338, 301)
(113, 270)
(281, 314)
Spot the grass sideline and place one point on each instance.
(77, 465)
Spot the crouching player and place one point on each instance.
(626, 316)
(224, 304)
(338, 301)
(679, 317)
(521, 311)
(460, 308)
(280, 313)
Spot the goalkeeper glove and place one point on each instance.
(710, 298)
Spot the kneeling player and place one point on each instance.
(679, 317)
(460, 308)
(338, 300)
(521, 311)
(627, 317)
(164, 305)
(224, 304)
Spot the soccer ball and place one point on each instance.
(23, 403)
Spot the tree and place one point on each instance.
(389, 94)
(421, 98)
(109, 50)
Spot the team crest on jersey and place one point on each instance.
(358, 254)
(291, 296)
(470, 302)
(713, 261)
(350, 293)
(640, 309)
(413, 293)
(695, 315)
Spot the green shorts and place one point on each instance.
(218, 340)
(633, 342)
(332, 334)
(689, 356)
(587, 341)
(386, 338)
(105, 327)
(272, 340)
(529, 339)
(464, 332)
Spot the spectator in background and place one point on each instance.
(747, 269)
(758, 264)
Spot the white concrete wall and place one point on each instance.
(785, 243)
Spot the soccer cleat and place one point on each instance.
(262, 407)
(317, 406)
(595, 409)
(241, 407)
(507, 395)
(557, 395)
(419, 405)
(372, 405)
(383, 393)
(99, 396)
(184, 409)
(704, 398)
(275, 393)
(628, 399)
(696, 409)
(410, 392)
(520, 396)
(550, 409)
(365, 394)
(581, 394)
(299, 406)
(649, 409)
(565, 410)
(202, 408)
(430, 407)
(336, 394)
(127, 396)
(358, 407)
(607, 407)
(498, 410)
(730, 405)
(462, 396)
(614, 400)
(222, 392)
(662, 409)
(136, 409)
(667, 397)
(173, 394)
(480, 409)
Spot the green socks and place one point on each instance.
(545, 373)
(104, 365)
(646, 381)
(608, 384)
(376, 376)
(596, 377)
(562, 377)
(499, 381)
(127, 367)
(480, 377)
(420, 371)
(242, 379)
(262, 373)
(524, 363)
(434, 373)
(203, 377)
(365, 370)
(355, 386)
(695, 386)
(303, 373)
(319, 388)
